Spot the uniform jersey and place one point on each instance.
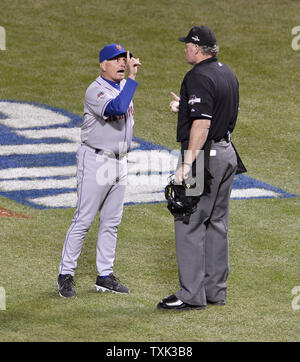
(209, 90)
(101, 131)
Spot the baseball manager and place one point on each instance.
(106, 136)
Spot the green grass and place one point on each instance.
(51, 57)
(263, 272)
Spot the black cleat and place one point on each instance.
(173, 303)
(110, 284)
(66, 286)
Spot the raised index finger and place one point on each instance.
(175, 96)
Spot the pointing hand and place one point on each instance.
(174, 104)
(132, 65)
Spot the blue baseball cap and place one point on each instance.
(111, 51)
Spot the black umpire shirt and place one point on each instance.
(209, 90)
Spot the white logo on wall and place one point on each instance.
(38, 147)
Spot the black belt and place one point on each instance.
(221, 140)
(226, 138)
(107, 153)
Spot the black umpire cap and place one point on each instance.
(200, 35)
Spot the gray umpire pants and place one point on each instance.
(101, 184)
(202, 245)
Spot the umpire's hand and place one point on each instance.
(174, 104)
(132, 66)
(181, 173)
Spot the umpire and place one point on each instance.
(207, 114)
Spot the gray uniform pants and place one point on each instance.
(202, 245)
(101, 183)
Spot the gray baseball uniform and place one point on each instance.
(101, 176)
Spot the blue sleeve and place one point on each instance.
(120, 104)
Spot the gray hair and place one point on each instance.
(206, 50)
(101, 70)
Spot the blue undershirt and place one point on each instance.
(120, 104)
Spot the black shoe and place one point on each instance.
(218, 303)
(173, 303)
(66, 286)
(110, 284)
